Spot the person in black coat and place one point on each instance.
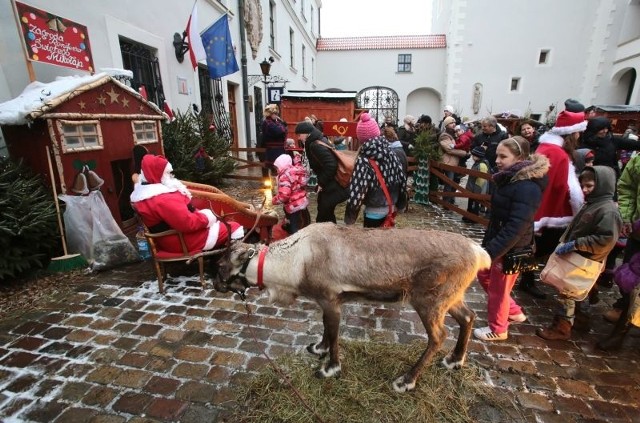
(325, 165)
(489, 139)
(605, 146)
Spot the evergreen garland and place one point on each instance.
(427, 146)
(28, 222)
(183, 139)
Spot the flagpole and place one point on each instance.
(245, 84)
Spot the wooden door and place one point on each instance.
(233, 117)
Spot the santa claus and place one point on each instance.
(163, 203)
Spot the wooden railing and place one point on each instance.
(246, 164)
(458, 191)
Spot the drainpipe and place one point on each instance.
(245, 84)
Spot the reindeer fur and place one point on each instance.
(334, 264)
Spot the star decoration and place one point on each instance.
(141, 108)
(102, 100)
(81, 105)
(113, 96)
(125, 102)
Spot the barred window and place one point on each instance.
(145, 131)
(404, 63)
(80, 135)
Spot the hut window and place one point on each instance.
(80, 135)
(145, 131)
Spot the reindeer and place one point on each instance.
(333, 264)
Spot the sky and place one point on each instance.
(353, 18)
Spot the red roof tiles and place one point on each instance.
(382, 43)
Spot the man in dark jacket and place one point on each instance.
(325, 165)
(605, 146)
(489, 139)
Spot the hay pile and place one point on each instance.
(364, 394)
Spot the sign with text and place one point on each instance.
(51, 39)
(340, 129)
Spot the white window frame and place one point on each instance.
(145, 131)
(80, 135)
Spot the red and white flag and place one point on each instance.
(143, 92)
(168, 111)
(196, 48)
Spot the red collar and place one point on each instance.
(263, 252)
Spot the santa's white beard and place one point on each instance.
(173, 183)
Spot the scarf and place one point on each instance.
(504, 176)
(364, 177)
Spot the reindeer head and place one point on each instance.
(232, 267)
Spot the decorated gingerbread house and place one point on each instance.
(89, 122)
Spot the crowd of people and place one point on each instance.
(554, 190)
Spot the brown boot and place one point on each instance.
(560, 329)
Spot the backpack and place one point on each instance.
(346, 162)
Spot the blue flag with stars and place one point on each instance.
(221, 58)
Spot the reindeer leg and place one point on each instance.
(433, 321)
(331, 320)
(465, 317)
(321, 348)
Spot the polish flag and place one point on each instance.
(143, 92)
(196, 48)
(168, 111)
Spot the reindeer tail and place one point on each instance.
(482, 257)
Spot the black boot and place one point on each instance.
(614, 341)
(528, 285)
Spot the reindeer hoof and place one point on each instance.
(328, 371)
(399, 385)
(448, 363)
(315, 350)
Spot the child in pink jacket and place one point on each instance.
(292, 193)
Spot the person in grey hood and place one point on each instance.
(593, 233)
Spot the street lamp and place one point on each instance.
(265, 68)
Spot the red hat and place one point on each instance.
(570, 120)
(367, 128)
(153, 168)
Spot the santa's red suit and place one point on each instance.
(562, 198)
(163, 203)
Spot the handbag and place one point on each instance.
(571, 274)
(520, 260)
(346, 162)
(390, 219)
(634, 307)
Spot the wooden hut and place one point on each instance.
(93, 121)
(325, 105)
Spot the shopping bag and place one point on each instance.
(571, 274)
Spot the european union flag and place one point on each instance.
(221, 59)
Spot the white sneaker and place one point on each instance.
(517, 318)
(486, 334)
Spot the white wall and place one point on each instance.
(355, 70)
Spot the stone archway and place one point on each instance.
(624, 91)
(381, 102)
(424, 101)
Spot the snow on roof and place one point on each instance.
(39, 97)
(320, 94)
(383, 42)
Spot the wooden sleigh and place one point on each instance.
(227, 209)
(231, 210)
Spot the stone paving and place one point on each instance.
(115, 350)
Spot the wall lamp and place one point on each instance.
(180, 45)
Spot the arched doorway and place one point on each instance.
(381, 102)
(424, 101)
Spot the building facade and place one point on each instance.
(499, 56)
(140, 35)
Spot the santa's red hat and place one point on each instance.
(153, 167)
(570, 120)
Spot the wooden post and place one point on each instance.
(30, 71)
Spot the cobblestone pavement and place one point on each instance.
(115, 350)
